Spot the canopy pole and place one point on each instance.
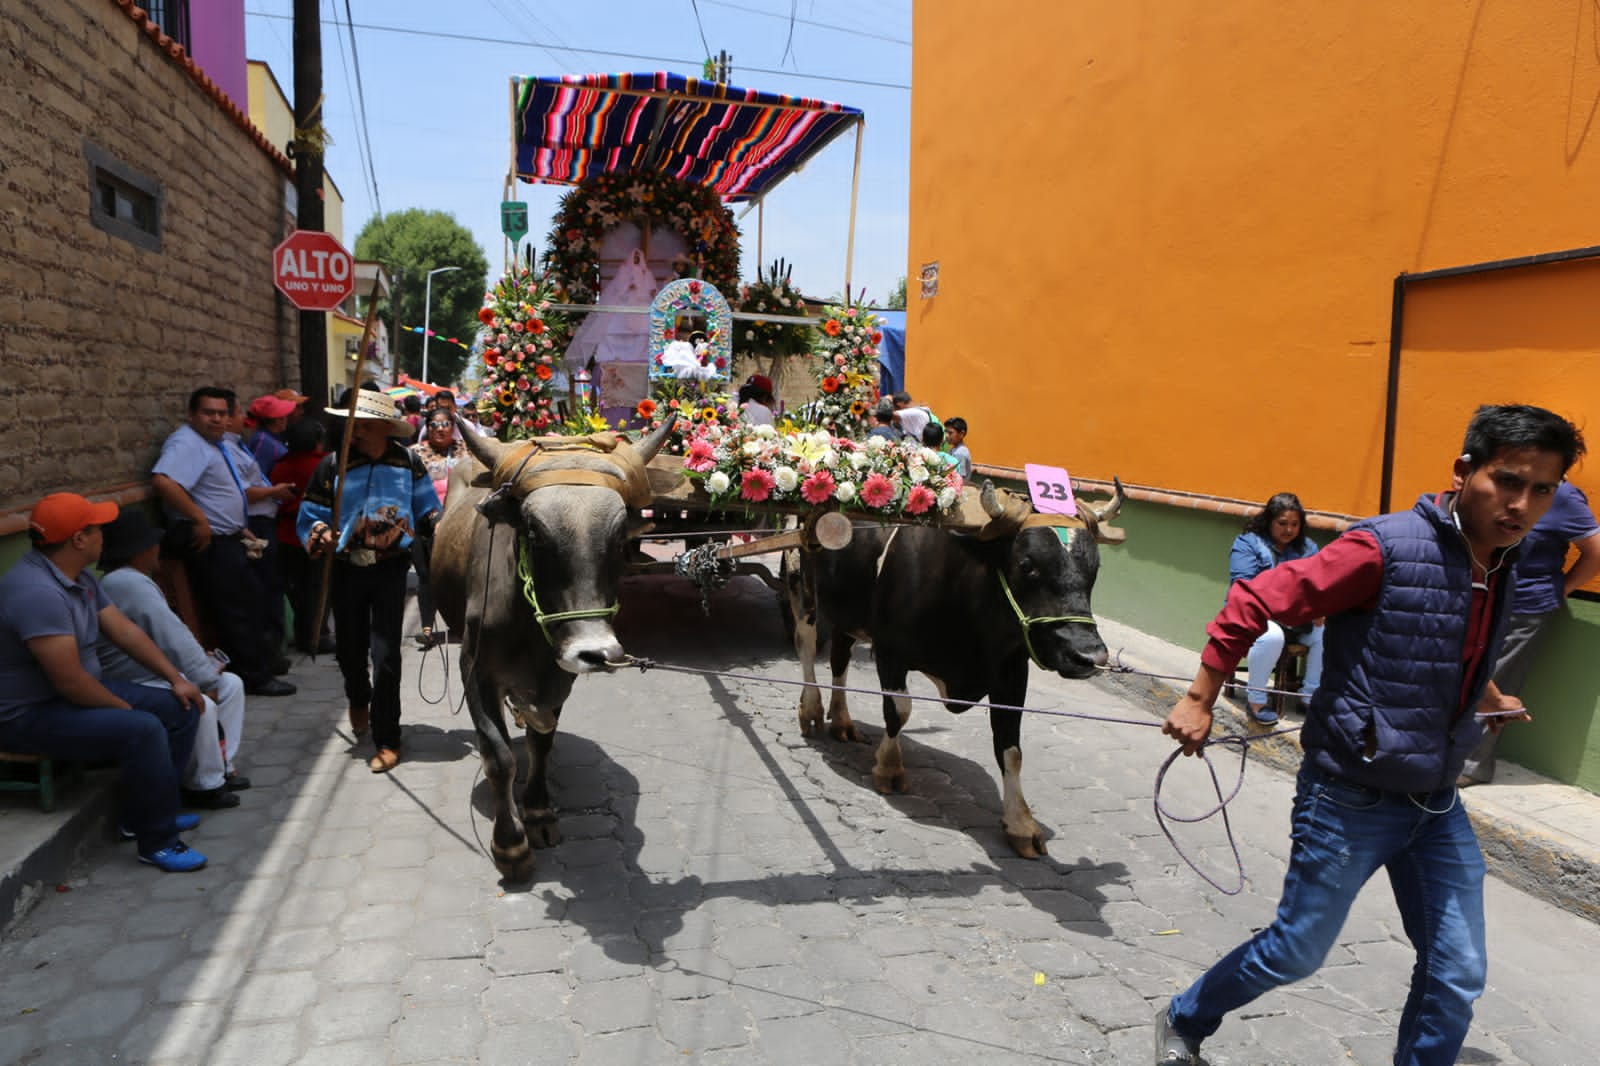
(855, 189)
(506, 251)
(761, 222)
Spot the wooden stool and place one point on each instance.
(44, 782)
(1287, 676)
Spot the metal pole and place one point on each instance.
(855, 189)
(427, 313)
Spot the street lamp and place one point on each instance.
(427, 313)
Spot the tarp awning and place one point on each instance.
(740, 142)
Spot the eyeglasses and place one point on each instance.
(440, 425)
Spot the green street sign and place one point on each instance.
(514, 220)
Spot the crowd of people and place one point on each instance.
(148, 665)
(894, 418)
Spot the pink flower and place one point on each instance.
(700, 456)
(757, 485)
(817, 488)
(877, 491)
(920, 499)
(838, 360)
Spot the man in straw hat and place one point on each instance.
(385, 499)
(53, 701)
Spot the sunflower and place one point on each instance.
(708, 414)
(858, 408)
(508, 397)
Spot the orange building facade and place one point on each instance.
(1167, 238)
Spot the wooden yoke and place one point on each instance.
(546, 461)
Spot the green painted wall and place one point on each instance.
(1168, 580)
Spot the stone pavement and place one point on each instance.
(726, 892)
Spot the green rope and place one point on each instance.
(525, 572)
(1028, 623)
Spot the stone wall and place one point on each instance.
(102, 338)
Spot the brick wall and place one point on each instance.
(101, 340)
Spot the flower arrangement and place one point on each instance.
(846, 349)
(523, 343)
(744, 464)
(700, 406)
(772, 294)
(653, 199)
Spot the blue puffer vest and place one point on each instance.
(1388, 713)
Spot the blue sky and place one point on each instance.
(438, 107)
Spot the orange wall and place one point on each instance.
(1168, 231)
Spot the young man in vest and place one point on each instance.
(1416, 604)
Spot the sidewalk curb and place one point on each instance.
(60, 845)
(1563, 873)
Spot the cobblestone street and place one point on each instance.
(726, 892)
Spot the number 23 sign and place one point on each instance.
(1051, 489)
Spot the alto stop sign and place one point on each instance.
(313, 270)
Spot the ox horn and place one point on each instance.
(1114, 507)
(649, 446)
(487, 450)
(990, 501)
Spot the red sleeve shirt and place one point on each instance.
(1347, 575)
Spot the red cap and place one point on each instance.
(270, 407)
(61, 514)
(762, 382)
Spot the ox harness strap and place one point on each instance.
(525, 573)
(1044, 620)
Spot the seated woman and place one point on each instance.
(1275, 535)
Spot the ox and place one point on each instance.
(967, 611)
(526, 566)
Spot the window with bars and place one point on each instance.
(173, 18)
(123, 202)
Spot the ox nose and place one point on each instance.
(598, 657)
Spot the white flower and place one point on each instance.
(918, 472)
(929, 457)
(749, 334)
(830, 459)
(846, 491)
(860, 460)
(767, 432)
(786, 478)
(946, 498)
(877, 444)
(717, 483)
(751, 448)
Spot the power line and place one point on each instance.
(793, 18)
(361, 98)
(690, 63)
(503, 13)
(697, 25)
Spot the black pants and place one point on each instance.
(421, 552)
(301, 576)
(368, 606)
(227, 582)
(271, 582)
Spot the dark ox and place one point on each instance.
(572, 510)
(933, 601)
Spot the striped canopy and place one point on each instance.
(738, 141)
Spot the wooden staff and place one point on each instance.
(344, 463)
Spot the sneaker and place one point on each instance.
(210, 799)
(182, 823)
(1264, 715)
(1170, 1047)
(177, 859)
(272, 687)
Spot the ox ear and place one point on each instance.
(500, 507)
(487, 450)
(650, 445)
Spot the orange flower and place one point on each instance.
(542, 372)
(830, 385)
(646, 408)
(831, 327)
(486, 315)
(536, 326)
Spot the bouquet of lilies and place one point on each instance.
(744, 464)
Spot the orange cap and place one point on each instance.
(61, 514)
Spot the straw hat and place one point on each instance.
(377, 405)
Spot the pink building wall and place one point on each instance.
(216, 33)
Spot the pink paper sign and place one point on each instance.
(1051, 489)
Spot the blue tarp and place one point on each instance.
(892, 352)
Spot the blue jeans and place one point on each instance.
(1264, 655)
(151, 743)
(1342, 834)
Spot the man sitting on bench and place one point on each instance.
(52, 701)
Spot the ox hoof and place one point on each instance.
(515, 863)
(846, 731)
(543, 828)
(889, 782)
(810, 727)
(1027, 847)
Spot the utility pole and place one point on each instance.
(724, 65)
(306, 150)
